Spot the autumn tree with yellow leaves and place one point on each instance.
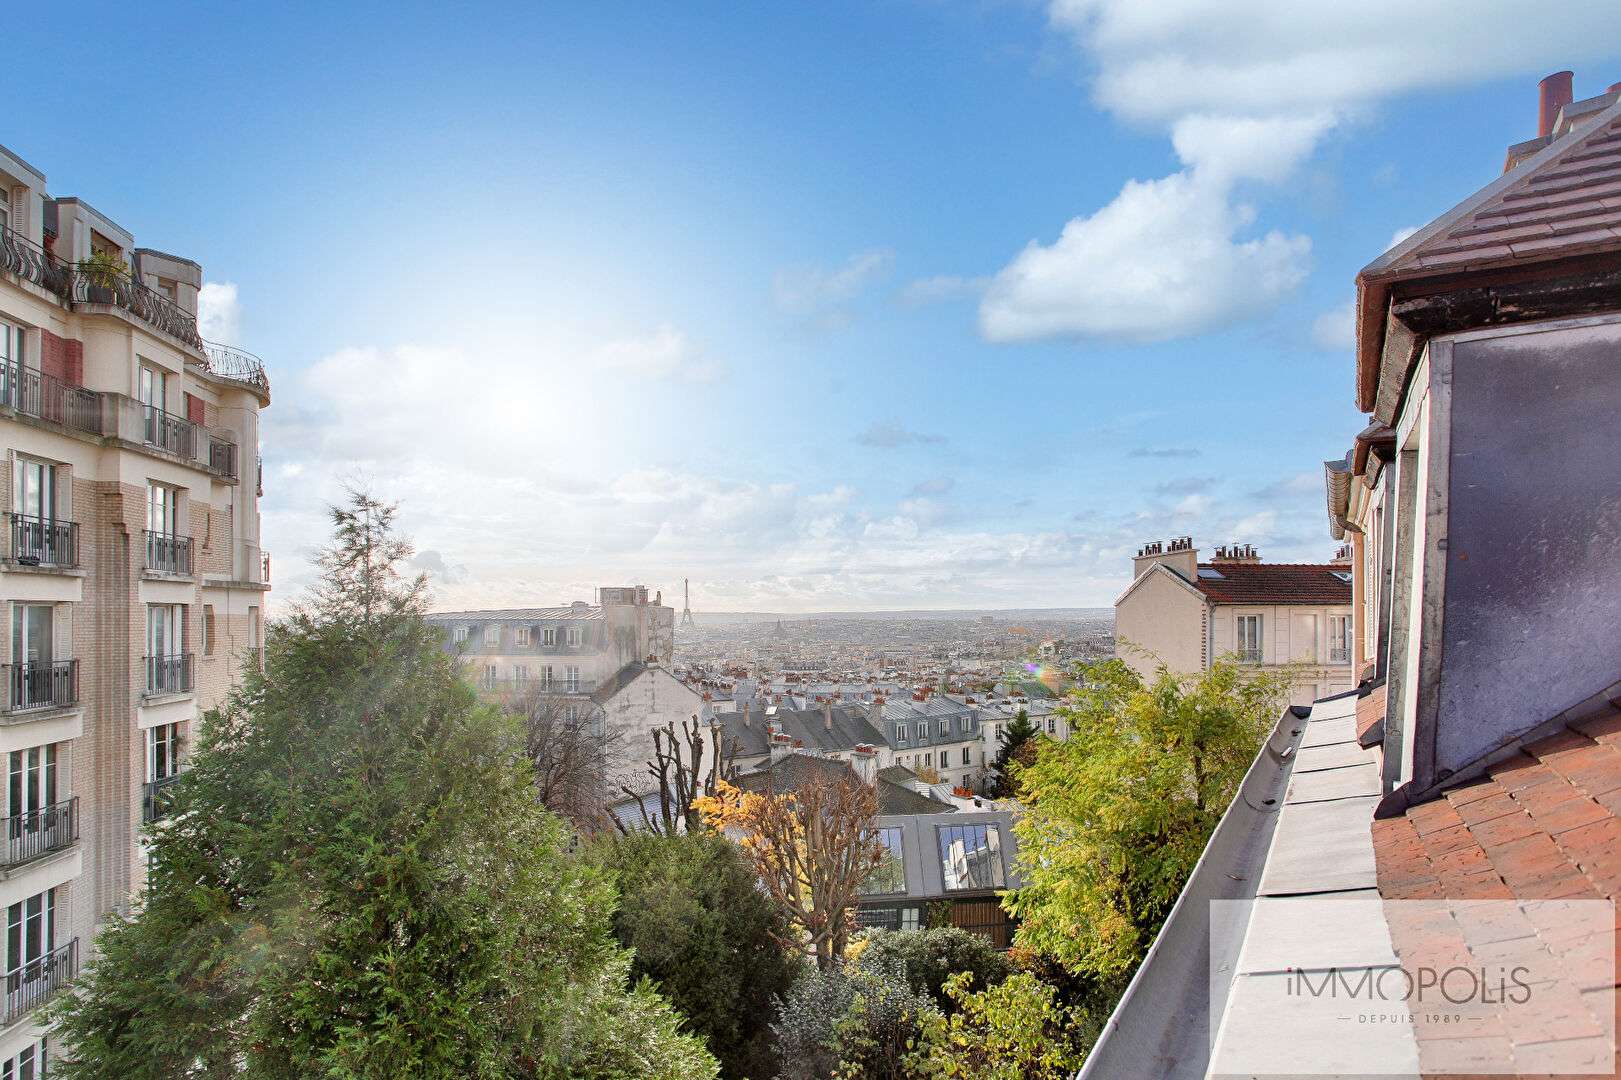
(812, 848)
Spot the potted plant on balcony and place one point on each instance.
(103, 272)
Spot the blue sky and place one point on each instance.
(746, 293)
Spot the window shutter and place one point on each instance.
(194, 410)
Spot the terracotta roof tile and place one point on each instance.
(1274, 583)
(1530, 829)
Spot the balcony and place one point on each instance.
(32, 263)
(48, 684)
(167, 431)
(157, 798)
(33, 393)
(168, 674)
(39, 832)
(237, 365)
(167, 553)
(32, 983)
(43, 542)
(93, 284)
(221, 456)
(1249, 656)
(1339, 655)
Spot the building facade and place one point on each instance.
(1185, 614)
(568, 651)
(131, 569)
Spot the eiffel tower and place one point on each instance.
(686, 604)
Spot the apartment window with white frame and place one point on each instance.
(520, 637)
(545, 676)
(900, 732)
(26, 1064)
(1052, 726)
(965, 759)
(571, 679)
(520, 672)
(1249, 638)
(492, 637)
(574, 637)
(30, 941)
(459, 635)
(1339, 639)
(943, 727)
(490, 672)
(548, 635)
(162, 752)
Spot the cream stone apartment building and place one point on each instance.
(1185, 613)
(130, 569)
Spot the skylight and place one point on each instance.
(1210, 573)
(1343, 575)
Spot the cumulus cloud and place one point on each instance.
(886, 435)
(666, 353)
(1335, 328)
(1246, 90)
(219, 313)
(821, 296)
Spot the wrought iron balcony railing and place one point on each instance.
(34, 393)
(169, 674)
(167, 553)
(30, 984)
(42, 684)
(1249, 656)
(238, 365)
(166, 431)
(33, 263)
(1340, 654)
(95, 285)
(27, 836)
(39, 541)
(222, 456)
(157, 798)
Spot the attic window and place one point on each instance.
(1343, 575)
(1210, 573)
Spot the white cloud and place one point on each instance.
(816, 293)
(1335, 328)
(1246, 89)
(941, 289)
(887, 435)
(666, 353)
(219, 313)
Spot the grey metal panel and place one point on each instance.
(1293, 1035)
(1324, 784)
(1328, 732)
(1331, 756)
(1316, 933)
(1322, 847)
(1160, 1028)
(1533, 556)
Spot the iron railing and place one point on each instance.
(42, 684)
(157, 798)
(31, 262)
(238, 365)
(222, 456)
(37, 541)
(35, 393)
(94, 285)
(30, 984)
(169, 674)
(1339, 654)
(167, 553)
(1249, 656)
(29, 835)
(166, 431)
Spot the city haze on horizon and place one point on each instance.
(610, 298)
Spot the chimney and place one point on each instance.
(745, 714)
(1177, 554)
(865, 763)
(781, 747)
(827, 713)
(1553, 94)
(1236, 553)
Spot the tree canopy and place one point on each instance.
(1117, 815)
(358, 881)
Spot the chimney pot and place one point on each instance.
(1553, 94)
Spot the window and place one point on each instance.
(909, 918)
(943, 728)
(162, 752)
(971, 857)
(928, 760)
(965, 759)
(1052, 726)
(890, 875)
(492, 637)
(33, 488)
(1249, 638)
(459, 635)
(152, 389)
(571, 714)
(27, 1064)
(900, 732)
(30, 789)
(30, 940)
(548, 636)
(1339, 639)
(163, 509)
(168, 667)
(489, 674)
(208, 629)
(520, 672)
(520, 637)
(571, 679)
(574, 637)
(545, 676)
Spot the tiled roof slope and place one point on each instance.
(1568, 204)
(519, 615)
(1544, 825)
(1274, 583)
